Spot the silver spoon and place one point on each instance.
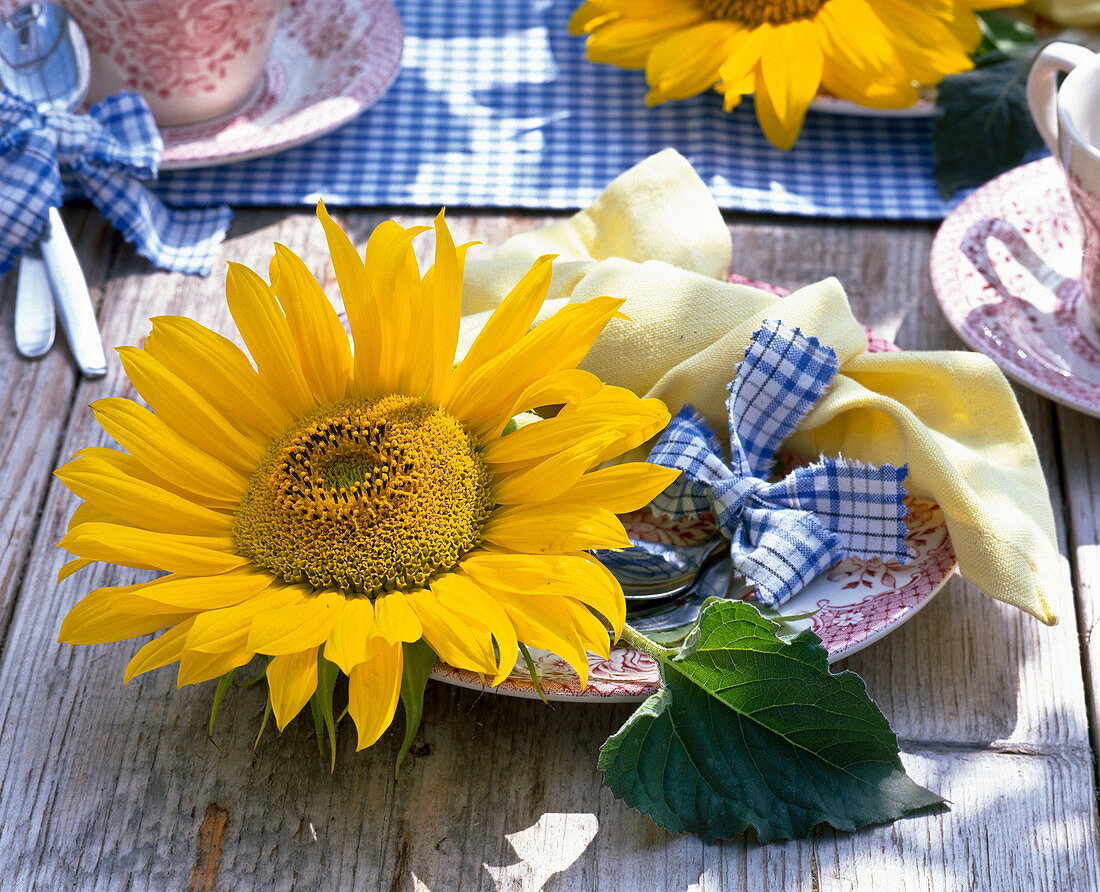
(44, 60)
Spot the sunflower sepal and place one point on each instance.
(533, 671)
(320, 705)
(224, 684)
(419, 660)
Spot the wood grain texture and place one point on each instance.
(105, 787)
(1080, 452)
(35, 400)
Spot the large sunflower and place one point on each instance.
(872, 52)
(319, 504)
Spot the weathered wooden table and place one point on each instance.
(105, 787)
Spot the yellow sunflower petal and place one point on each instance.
(291, 681)
(743, 58)
(195, 593)
(443, 302)
(359, 303)
(198, 667)
(95, 620)
(218, 369)
(621, 488)
(165, 453)
(226, 629)
(286, 630)
(554, 529)
(549, 627)
(394, 277)
(158, 653)
(784, 91)
(116, 543)
(73, 566)
(549, 478)
(580, 577)
(394, 620)
(485, 401)
(457, 638)
(564, 386)
(348, 643)
(686, 62)
(627, 40)
(138, 502)
(266, 333)
(373, 690)
(121, 462)
(509, 322)
(185, 411)
(323, 347)
(461, 595)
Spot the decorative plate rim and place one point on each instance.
(244, 134)
(1038, 346)
(925, 107)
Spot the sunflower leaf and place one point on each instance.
(224, 683)
(750, 730)
(983, 126)
(1003, 33)
(419, 660)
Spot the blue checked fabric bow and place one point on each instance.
(108, 152)
(784, 533)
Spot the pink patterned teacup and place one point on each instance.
(1068, 118)
(192, 60)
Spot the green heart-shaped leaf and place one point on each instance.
(750, 730)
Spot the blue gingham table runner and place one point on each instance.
(496, 106)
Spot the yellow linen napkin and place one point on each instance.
(657, 239)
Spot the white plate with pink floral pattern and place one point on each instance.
(330, 61)
(1005, 267)
(850, 606)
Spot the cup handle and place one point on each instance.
(1042, 87)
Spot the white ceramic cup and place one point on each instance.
(1068, 118)
(192, 60)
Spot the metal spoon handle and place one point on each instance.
(74, 303)
(34, 311)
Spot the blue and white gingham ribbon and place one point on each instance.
(784, 533)
(108, 151)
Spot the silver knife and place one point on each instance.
(71, 298)
(34, 311)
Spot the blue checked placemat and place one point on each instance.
(496, 106)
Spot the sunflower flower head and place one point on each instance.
(876, 53)
(326, 503)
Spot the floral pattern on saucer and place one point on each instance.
(1005, 267)
(331, 60)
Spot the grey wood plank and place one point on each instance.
(103, 787)
(35, 399)
(1080, 444)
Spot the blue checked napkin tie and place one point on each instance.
(784, 533)
(108, 152)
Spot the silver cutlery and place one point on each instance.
(44, 60)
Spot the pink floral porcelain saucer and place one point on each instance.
(331, 60)
(1005, 267)
(854, 604)
(848, 607)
